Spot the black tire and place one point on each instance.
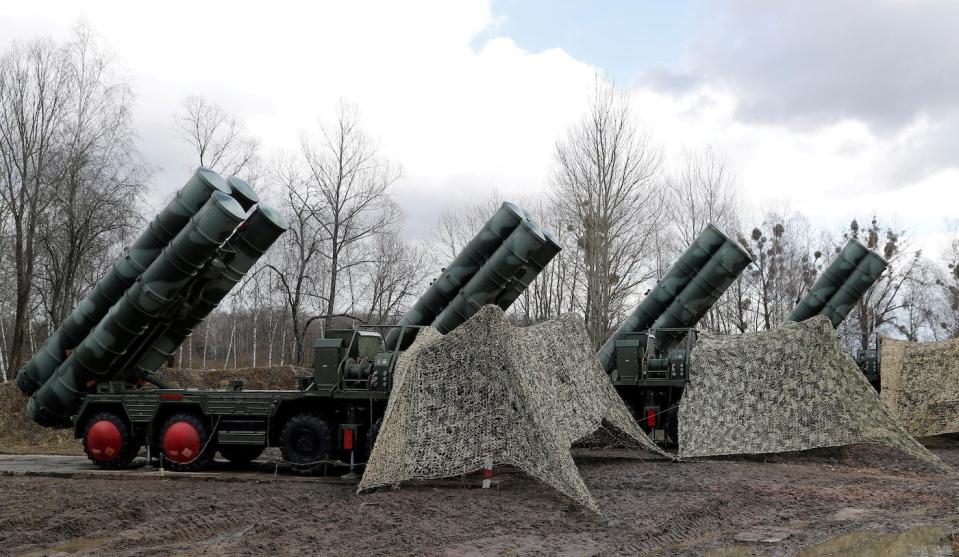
(129, 447)
(207, 447)
(305, 442)
(241, 454)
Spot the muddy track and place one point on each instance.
(652, 507)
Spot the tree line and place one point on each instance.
(72, 195)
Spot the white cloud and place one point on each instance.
(459, 120)
(463, 119)
(831, 173)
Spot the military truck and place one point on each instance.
(847, 278)
(647, 357)
(96, 373)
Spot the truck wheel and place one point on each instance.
(185, 443)
(241, 454)
(305, 442)
(108, 442)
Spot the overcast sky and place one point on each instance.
(837, 109)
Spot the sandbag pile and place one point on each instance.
(490, 390)
(920, 384)
(788, 389)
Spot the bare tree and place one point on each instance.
(3, 287)
(351, 182)
(458, 223)
(218, 140)
(881, 306)
(703, 191)
(784, 269)
(99, 179)
(33, 97)
(603, 185)
(918, 318)
(396, 272)
(947, 286)
(297, 259)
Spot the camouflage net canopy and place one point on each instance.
(788, 389)
(490, 390)
(920, 383)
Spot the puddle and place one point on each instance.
(924, 541)
(71, 547)
(731, 551)
(764, 534)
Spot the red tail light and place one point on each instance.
(348, 439)
(651, 417)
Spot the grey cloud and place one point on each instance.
(806, 63)
(666, 80)
(803, 65)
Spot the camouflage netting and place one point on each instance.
(788, 389)
(520, 396)
(920, 384)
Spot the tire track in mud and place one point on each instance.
(655, 507)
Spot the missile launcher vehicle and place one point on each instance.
(837, 291)
(647, 357)
(95, 373)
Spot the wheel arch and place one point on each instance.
(289, 408)
(167, 409)
(93, 408)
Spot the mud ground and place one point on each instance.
(856, 500)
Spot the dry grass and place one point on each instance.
(18, 433)
(276, 377)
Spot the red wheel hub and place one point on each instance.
(181, 442)
(104, 440)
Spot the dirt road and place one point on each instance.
(843, 498)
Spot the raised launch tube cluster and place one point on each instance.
(854, 270)
(173, 275)
(214, 230)
(495, 267)
(685, 293)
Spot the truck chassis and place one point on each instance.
(331, 419)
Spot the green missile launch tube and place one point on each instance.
(494, 276)
(687, 290)
(528, 274)
(854, 270)
(442, 290)
(93, 359)
(702, 292)
(242, 192)
(222, 273)
(124, 272)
